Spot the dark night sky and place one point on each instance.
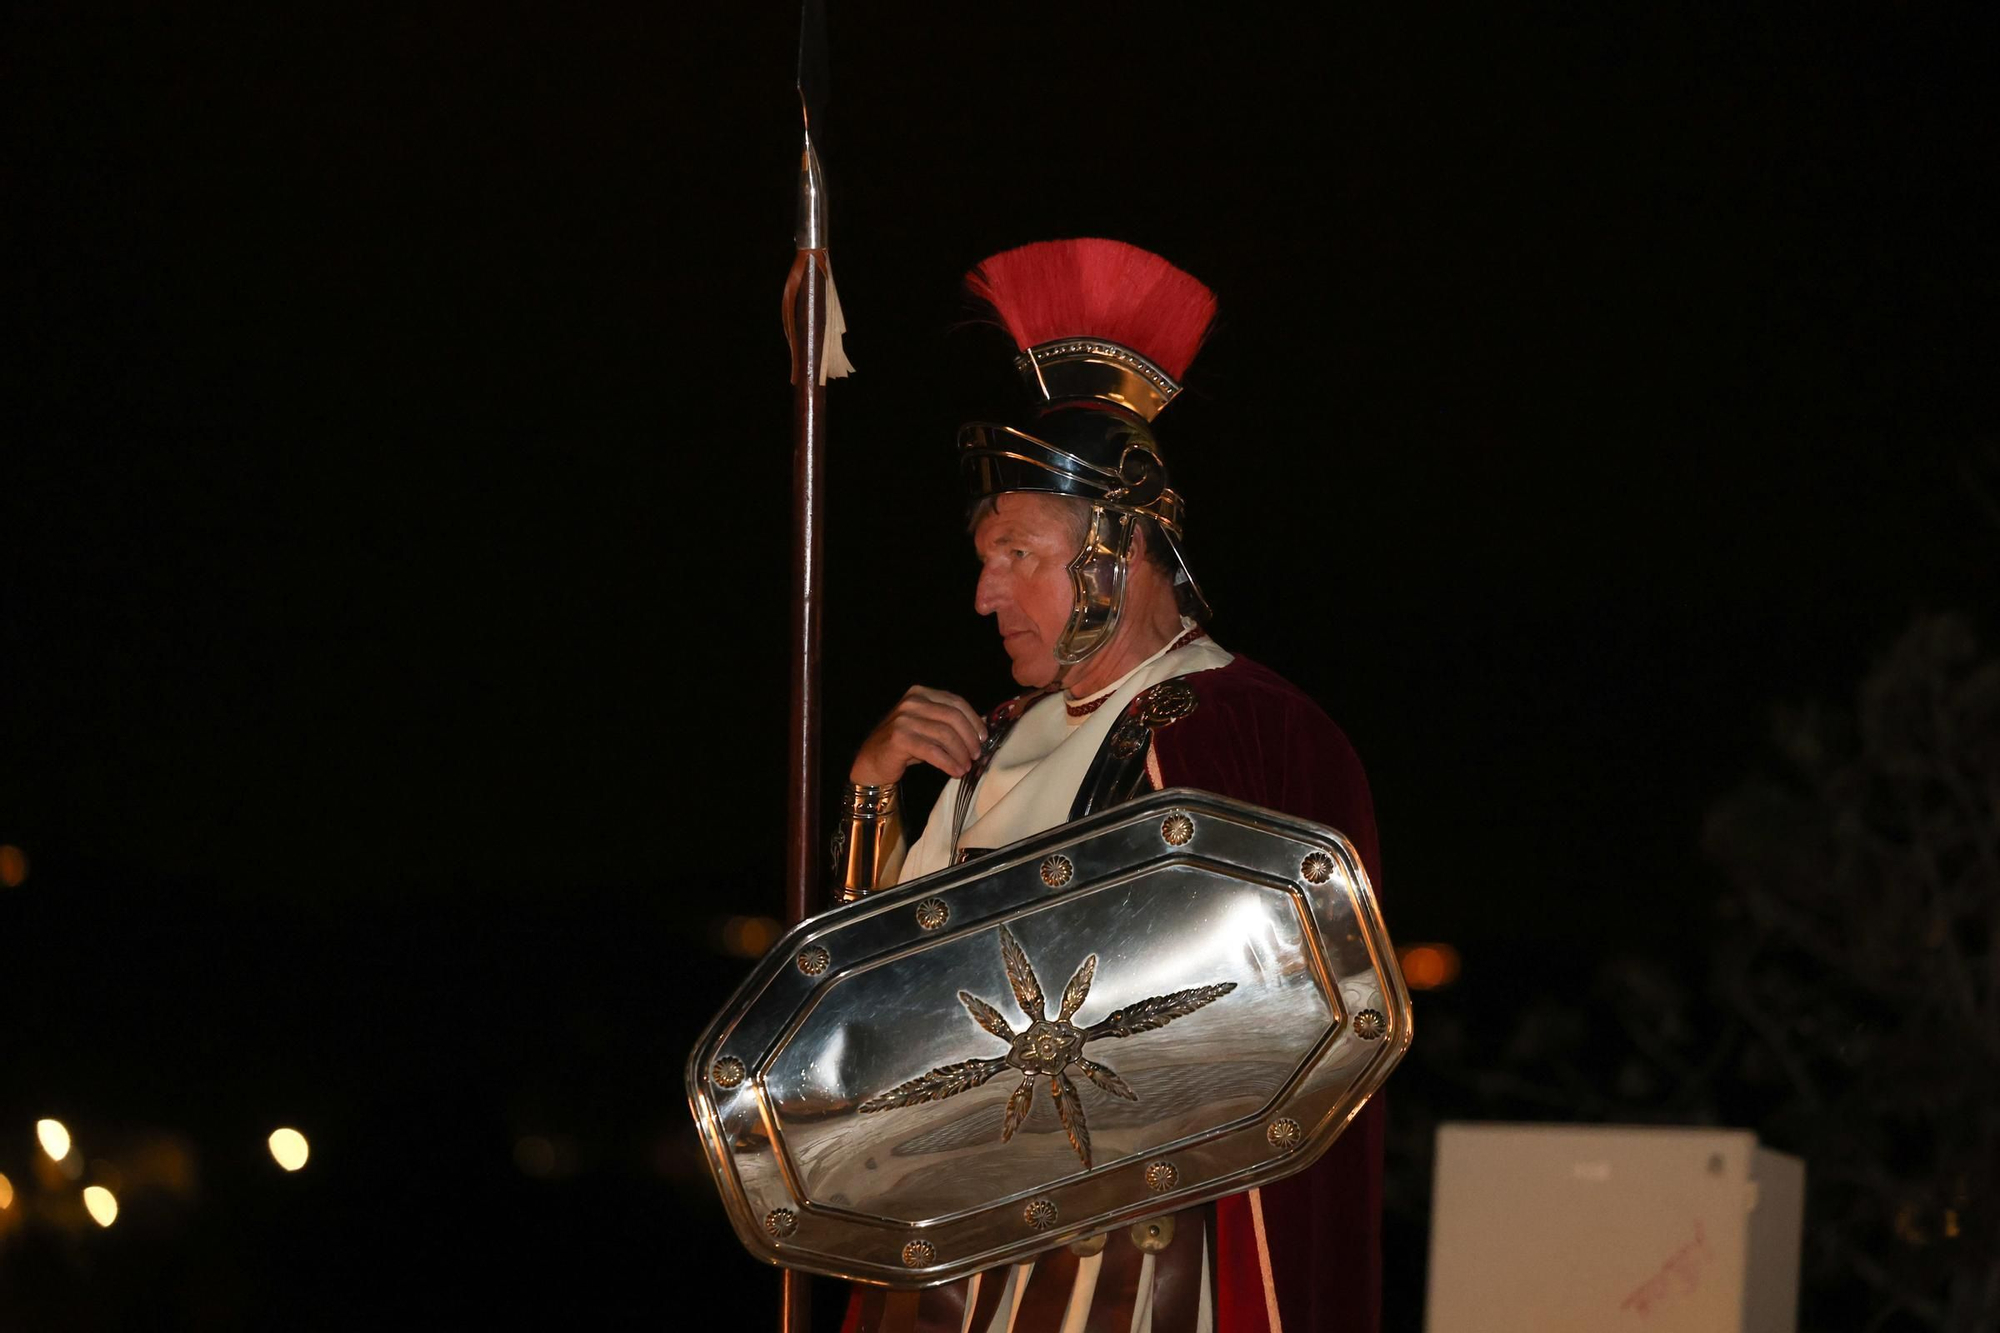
(394, 493)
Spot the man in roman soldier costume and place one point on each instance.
(1082, 546)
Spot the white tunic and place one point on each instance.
(1033, 778)
(1028, 788)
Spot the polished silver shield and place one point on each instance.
(1171, 1001)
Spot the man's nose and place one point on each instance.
(986, 593)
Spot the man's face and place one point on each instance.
(1024, 548)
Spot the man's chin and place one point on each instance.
(1033, 670)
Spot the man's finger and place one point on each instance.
(958, 721)
(956, 703)
(967, 712)
(942, 732)
(938, 757)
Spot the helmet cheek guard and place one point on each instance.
(1097, 578)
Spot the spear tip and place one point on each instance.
(812, 62)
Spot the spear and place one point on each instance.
(813, 327)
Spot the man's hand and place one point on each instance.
(928, 726)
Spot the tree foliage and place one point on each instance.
(1865, 971)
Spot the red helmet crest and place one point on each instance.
(1095, 288)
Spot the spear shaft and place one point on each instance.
(808, 545)
(806, 296)
(808, 554)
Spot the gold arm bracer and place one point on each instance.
(869, 852)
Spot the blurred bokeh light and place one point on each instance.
(536, 1156)
(1429, 966)
(290, 1148)
(54, 1136)
(749, 936)
(102, 1205)
(546, 1156)
(13, 866)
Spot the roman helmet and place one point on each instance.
(1105, 331)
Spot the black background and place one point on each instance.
(396, 531)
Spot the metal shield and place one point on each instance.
(1177, 999)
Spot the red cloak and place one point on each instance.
(1254, 736)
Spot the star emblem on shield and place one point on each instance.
(1048, 1047)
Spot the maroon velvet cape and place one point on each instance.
(1255, 737)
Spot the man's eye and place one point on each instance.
(1020, 554)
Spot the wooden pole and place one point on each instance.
(802, 855)
(808, 603)
(808, 290)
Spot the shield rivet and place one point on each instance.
(919, 1254)
(1284, 1134)
(812, 960)
(1056, 871)
(727, 1072)
(1040, 1215)
(1162, 1176)
(932, 913)
(781, 1222)
(1153, 1236)
(1177, 828)
(1317, 868)
(1368, 1025)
